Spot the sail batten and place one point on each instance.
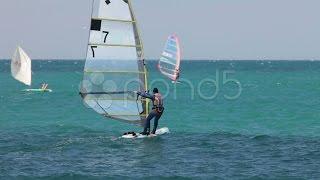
(120, 45)
(114, 68)
(108, 19)
(167, 61)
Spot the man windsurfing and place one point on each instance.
(177, 73)
(44, 86)
(156, 113)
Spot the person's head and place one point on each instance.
(155, 90)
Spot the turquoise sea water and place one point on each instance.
(271, 130)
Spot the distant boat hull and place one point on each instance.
(37, 90)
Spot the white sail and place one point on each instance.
(21, 66)
(114, 66)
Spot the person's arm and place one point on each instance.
(146, 95)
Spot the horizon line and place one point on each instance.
(74, 59)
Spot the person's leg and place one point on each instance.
(155, 125)
(147, 122)
(146, 129)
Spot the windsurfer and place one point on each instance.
(177, 74)
(44, 86)
(156, 112)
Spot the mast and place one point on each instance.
(140, 53)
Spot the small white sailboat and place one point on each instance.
(169, 62)
(21, 69)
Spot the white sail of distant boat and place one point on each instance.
(114, 67)
(169, 63)
(21, 66)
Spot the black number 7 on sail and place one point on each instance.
(92, 49)
(108, 2)
(105, 37)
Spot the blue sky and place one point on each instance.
(208, 29)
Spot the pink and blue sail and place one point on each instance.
(169, 63)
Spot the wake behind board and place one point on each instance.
(37, 90)
(133, 135)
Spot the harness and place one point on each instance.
(158, 103)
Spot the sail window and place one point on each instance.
(95, 25)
